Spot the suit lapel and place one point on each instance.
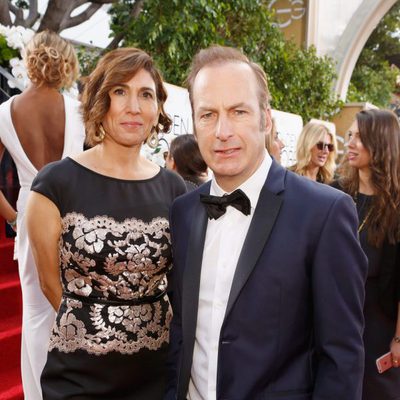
(260, 228)
(191, 283)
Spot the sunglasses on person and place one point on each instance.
(322, 146)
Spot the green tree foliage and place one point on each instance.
(88, 58)
(6, 52)
(373, 78)
(173, 31)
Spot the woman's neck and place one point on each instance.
(41, 89)
(312, 173)
(39, 94)
(119, 159)
(365, 185)
(118, 162)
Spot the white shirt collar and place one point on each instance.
(252, 186)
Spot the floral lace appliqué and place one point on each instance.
(105, 260)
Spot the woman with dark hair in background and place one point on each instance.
(316, 153)
(37, 127)
(104, 252)
(371, 175)
(184, 157)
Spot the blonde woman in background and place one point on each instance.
(37, 127)
(273, 143)
(316, 153)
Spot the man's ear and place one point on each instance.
(267, 120)
(194, 124)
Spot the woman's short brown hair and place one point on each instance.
(116, 67)
(50, 60)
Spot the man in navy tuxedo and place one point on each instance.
(268, 279)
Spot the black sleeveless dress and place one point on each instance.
(111, 333)
(379, 326)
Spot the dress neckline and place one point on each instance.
(112, 177)
(365, 195)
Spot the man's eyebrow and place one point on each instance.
(205, 108)
(238, 105)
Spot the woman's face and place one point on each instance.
(357, 155)
(169, 162)
(133, 111)
(277, 147)
(320, 151)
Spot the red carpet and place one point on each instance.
(10, 322)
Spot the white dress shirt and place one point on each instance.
(223, 244)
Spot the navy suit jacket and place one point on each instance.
(294, 320)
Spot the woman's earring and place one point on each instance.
(99, 137)
(152, 140)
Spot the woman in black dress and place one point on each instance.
(100, 222)
(371, 175)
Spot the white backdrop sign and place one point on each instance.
(288, 127)
(179, 110)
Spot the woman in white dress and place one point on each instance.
(37, 127)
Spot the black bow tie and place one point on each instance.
(216, 205)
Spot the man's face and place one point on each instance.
(229, 124)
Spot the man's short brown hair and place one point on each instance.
(218, 55)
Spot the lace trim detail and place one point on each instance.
(125, 329)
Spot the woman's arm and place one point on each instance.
(43, 223)
(395, 344)
(6, 209)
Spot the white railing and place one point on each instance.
(8, 77)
